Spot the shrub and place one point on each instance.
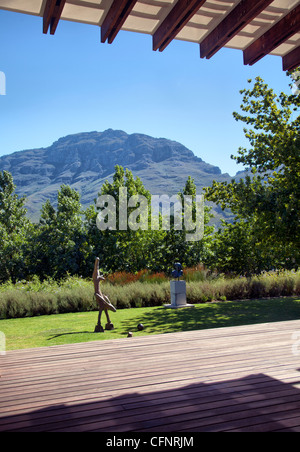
(75, 294)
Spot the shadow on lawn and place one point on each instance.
(69, 333)
(203, 316)
(219, 314)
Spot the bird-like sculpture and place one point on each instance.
(102, 300)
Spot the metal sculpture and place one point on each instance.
(102, 300)
(178, 272)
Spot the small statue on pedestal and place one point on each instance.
(102, 300)
(178, 272)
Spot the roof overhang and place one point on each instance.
(256, 27)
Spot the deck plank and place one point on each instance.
(243, 378)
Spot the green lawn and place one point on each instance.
(79, 327)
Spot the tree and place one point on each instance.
(60, 244)
(127, 248)
(177, 247)
(14, 228)
(237, 249)
(268, 199)
(139, 245)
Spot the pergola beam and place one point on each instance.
(234, 22)
(291, 60)
(274, 37)
(115, 18)
(52, 14)
(179, 16)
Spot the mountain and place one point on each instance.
(85, 160)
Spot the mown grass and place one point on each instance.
(79, 327)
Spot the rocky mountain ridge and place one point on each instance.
(85, 160)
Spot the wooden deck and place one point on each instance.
(244, 378)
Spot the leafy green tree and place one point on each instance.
(126, 248)
(146, 247)
(176, 245)
(237, 249)
(14, 228)
(154, 248)
(269, 198)
(61, 244)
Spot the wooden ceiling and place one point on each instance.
(256, 27)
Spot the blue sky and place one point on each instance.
(71, 83)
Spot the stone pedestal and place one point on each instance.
(178, 296)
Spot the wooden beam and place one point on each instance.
(52, 14)
(274, 37)
(291, 60)
(234, 22)
(179, 16)
(115, 18)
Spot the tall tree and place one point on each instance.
(269, 198)
(125, 246)
(14, 228)
(61, 245)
